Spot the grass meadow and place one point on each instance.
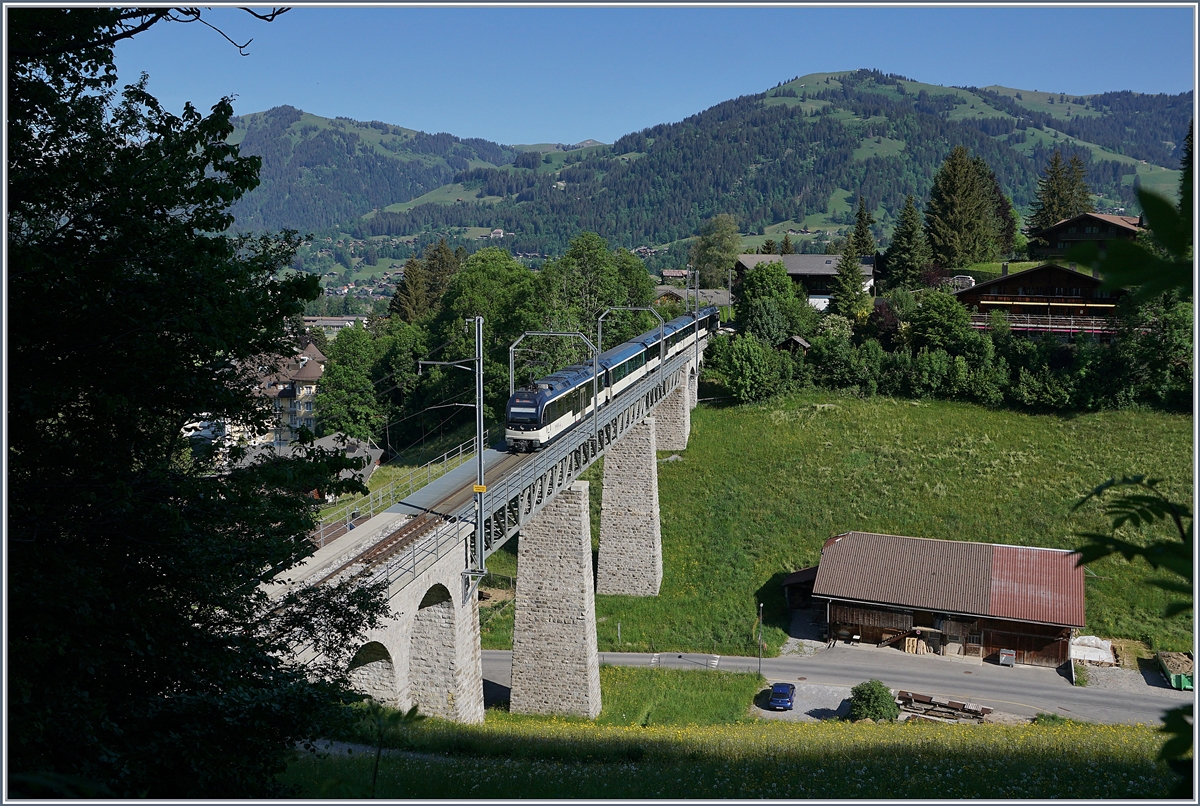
(709, 747)
(762, 486)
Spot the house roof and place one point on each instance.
(1017, 274)
(1125, 222)
(806, 265)
(951, 576)
(313, 352)
(311, 371)
(708, 296)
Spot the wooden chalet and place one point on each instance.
(954, 597)
(813, 272)
(1047, 298)
(1057, 240)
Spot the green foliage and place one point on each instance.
(750, 367)
(346, 401)
(909, 253)
(1081, 674)
(1062, 193)
(716, 249)
(939, 322)
(144, 658)
(873, 700)
(862, 239)
(847, 297)
(960, 219)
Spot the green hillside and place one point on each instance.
(797, 155)
(761, 487)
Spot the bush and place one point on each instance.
(873, 700)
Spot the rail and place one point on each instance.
(351, 515)
(519, 495)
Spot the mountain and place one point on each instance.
(796, 156)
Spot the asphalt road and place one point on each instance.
(1020, 690)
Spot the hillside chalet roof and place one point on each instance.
(806, 265)
(1121, 222)
(952, 576)
(1008, 278)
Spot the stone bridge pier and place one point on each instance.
(428, 654)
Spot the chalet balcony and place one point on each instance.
(1065, 325)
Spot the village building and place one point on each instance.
(1057, 240)
(814, 273)
(947, 597)
(1045, 299)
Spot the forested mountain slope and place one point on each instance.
(785, 155)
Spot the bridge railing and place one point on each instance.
(519, 495)
(347, 516)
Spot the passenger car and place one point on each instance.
(783, 697)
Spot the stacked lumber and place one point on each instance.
(940, 709)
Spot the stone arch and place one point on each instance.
(373, 673)
(432, 656)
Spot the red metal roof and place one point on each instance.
(1031, 584)
(953, 576)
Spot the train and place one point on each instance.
(549, 407)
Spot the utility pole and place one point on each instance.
(760, 626)
(476, 565)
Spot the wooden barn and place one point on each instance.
(955, 597)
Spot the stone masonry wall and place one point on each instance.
(373, 673)
(426, 672)
(555, 665)
(630, 560)
(673, 417)
(432, 663)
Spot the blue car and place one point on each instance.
(783, 697)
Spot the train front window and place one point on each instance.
(522, 411)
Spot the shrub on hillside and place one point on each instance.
(873, 700)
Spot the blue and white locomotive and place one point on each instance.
(550, 406)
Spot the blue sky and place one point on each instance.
(563, 74)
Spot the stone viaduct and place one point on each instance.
(428, 654)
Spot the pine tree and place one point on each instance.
(787, 248)
(440, 265)
(412, 302)
(768, 247)
(1062, 193)
(1185, 178)
(862, 239)
(960, 220)
(847, 296)
(909, 253)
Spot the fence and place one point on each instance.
(350, 515)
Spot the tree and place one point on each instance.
(412, 301)
(346, 400)
(1062, 193)
(863, 240)
(873, 700)
(716, 249)
(847, 296)
(960, 220)
(441, 264)
(940, 322)
(787, 248)
(768, 247)
(909, 254)
(144, 657)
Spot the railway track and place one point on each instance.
(378, 553)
